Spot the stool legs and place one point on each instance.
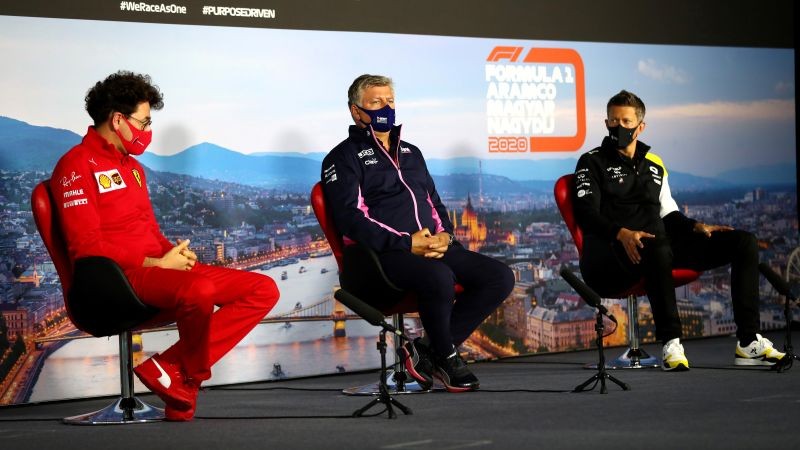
(127, 408)
(634, 357)
(397, 381)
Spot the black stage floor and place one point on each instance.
(524, 403)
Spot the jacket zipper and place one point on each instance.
(400, 174)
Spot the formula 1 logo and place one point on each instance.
(530, 100)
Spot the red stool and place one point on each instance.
(634, 357)
(99, 301)
(397, 381)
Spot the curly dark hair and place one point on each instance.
(122, 92)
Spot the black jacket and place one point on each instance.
(612, 192)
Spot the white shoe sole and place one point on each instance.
(752, 362)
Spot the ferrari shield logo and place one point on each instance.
(137, 176)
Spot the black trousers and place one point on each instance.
(607, 269)
(448, 318)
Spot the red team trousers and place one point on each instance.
(104, 209)
(189, 298)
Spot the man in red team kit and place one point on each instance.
(105, 210)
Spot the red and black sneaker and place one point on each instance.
(454, 374)
(166, 381)
(416, 359)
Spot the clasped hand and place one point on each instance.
(429, 245)
(179, 257)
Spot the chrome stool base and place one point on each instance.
(116, 414)
(633, 358)
(409, 387)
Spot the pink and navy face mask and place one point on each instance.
(382, 119)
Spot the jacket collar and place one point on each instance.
(365, 134)
(100, 145)
(610, 149)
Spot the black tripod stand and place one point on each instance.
(782, 287)
(601, 374)
(383, 392)
(790, 357)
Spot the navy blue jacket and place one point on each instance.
(379, 198)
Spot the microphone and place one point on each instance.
(587, 294)
(367, 312)
(776, 281)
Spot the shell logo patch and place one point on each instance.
(104, 181)
(109, 180)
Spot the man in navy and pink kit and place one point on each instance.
(105, 210)
(381, 196)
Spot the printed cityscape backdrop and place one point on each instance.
(249, 117)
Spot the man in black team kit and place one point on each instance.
(633, 229)
(382, 197)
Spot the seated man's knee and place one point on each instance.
(199, 293)
(746, 241)
(438, 282)
(266, 292)
(743, 246)
(506, 279)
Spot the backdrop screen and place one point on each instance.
(250, 113)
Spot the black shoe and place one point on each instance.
(416, 359)
(454, 374)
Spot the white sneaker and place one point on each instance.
(673, 357)
(759, 353)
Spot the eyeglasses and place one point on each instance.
(145, 123)
(625, 122)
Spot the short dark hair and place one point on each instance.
(122, 92)
(625, 98)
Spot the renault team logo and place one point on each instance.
(535, 100)
(137, 176)
(109, 180)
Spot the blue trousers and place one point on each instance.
(449, 318)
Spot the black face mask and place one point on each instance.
(621, 136)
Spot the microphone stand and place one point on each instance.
(602, 375)
(383, 392)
